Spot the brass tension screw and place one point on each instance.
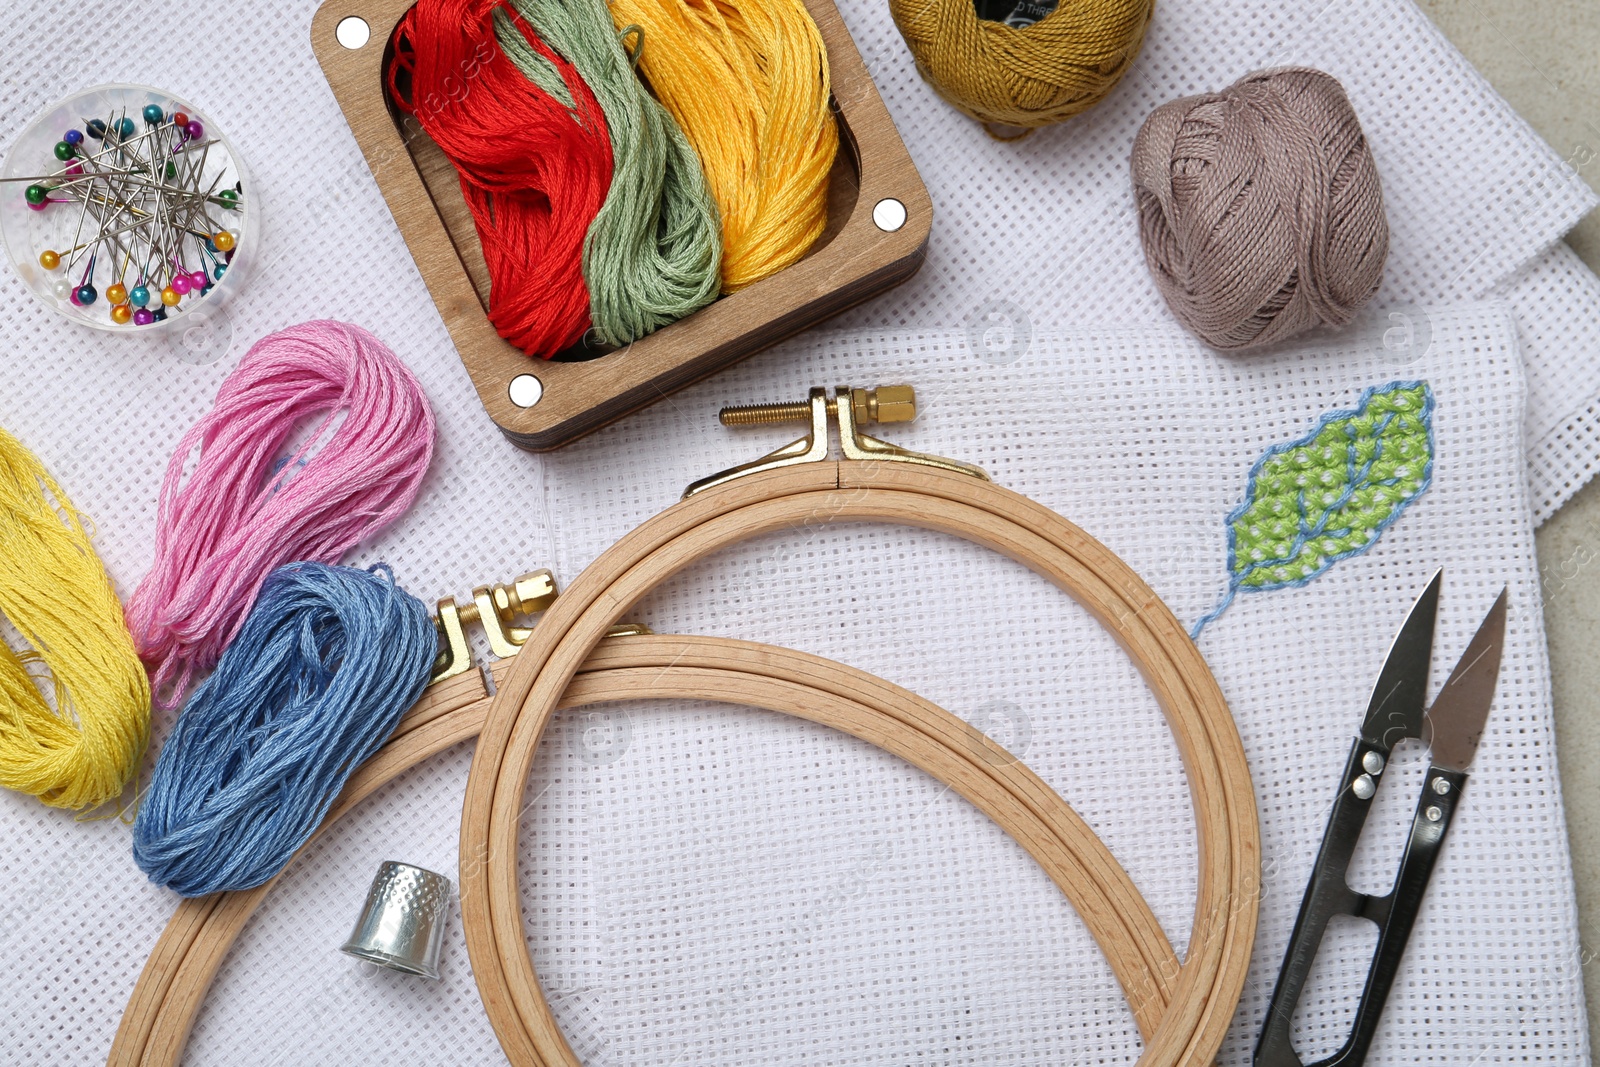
(889, 403)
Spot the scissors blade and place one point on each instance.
(1455, 721)
(1395, 711)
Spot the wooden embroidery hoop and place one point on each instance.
(798, 486)
(156, 1024)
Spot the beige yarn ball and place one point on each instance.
(1260, 208)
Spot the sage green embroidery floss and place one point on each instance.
(653, 254)
(1329, 495)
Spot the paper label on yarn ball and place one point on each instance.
(1014, 13)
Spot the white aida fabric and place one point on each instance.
(713, 885)
(814, 900)
(765, 904)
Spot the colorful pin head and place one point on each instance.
(153, 113)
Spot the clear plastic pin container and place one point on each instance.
(124, 208)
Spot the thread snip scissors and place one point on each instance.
(1451, 728)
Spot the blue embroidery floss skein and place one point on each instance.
(325, 664)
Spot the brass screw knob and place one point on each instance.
(888, 403)
(528, 595)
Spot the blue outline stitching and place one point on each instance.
(1426, 415)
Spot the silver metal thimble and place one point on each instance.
(402, 924)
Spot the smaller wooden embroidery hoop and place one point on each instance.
(180, 969)
(798, 486)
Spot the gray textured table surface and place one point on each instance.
(1544, 58)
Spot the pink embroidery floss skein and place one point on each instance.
(245, 509)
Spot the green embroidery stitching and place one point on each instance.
(1330, 494)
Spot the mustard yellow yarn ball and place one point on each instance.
(1029, 77)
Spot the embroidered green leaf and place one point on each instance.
(1330, 494)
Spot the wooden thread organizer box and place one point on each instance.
(879, 216)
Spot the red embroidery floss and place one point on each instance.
(534, 168)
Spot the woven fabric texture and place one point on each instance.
(1556, 301)
(730, 887)
(1045, 227)
(801, 888)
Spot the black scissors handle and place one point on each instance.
(1329, 894)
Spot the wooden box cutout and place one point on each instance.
(879, 217)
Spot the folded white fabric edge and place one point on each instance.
(1556, 302)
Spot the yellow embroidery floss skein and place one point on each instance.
(81, 752)
(1023, 76)
(747, 80)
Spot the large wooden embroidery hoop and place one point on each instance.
(156, 1024)
(798, 486)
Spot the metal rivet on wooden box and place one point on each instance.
(879, 217)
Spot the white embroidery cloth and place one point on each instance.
(840, 944)
(717, 886)
(742, 922)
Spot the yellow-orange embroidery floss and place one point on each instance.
(747, 80)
